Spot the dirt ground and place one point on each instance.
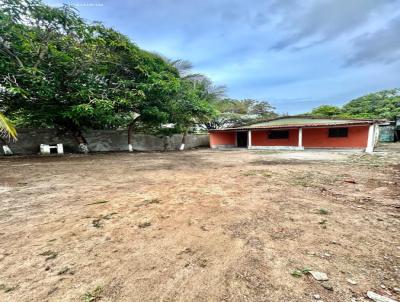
(200, 225)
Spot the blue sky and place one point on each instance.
(296, 54)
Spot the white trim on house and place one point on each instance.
(294, 148)
(300, 139)
(371, 139)
(249, 139)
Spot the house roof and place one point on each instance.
(303, 121)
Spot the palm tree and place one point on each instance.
(7, 129)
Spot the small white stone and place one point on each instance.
(383, 286)
(317, 297)
(352, 282)
(319, 276)
(378, 298)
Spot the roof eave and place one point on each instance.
(297, 126)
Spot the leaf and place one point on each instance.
(7, 128)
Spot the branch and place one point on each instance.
(42, 53)
(11, 54)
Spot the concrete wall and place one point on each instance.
(29, 141)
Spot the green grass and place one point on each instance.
(323, 211)
(313, 179)
(300, 272)
(97, 223)
(94, 295)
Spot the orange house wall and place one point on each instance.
(318, 138)
(260, 138)
(312, 138)
(222, 138)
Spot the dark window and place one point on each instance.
(278, 134)
(338, 132)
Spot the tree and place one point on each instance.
(382, 104)
(194, 104)
(191, 107)
(261, 108)
(58, 71)
(234, 113)
(326, 111)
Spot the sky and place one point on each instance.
(295, 54)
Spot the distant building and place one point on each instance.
(299, 133)
(389, 131)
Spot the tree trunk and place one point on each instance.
(130, 130)
(182, 147)
(83, 147)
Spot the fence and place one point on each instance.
(29, 141)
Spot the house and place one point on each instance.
(299, 133)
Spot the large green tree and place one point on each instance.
(233, 113)
(326, 111)
(195, 102)
(192, 106)
(383, 104)
(58, 71)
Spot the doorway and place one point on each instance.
(241, 139)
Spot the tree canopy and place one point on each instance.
(59, 71)
(326, 111)
(383, 104)
(233, 113)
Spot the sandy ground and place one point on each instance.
(199, 226)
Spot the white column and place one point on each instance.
(300, 137)
(249, 139)
(371, 139)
